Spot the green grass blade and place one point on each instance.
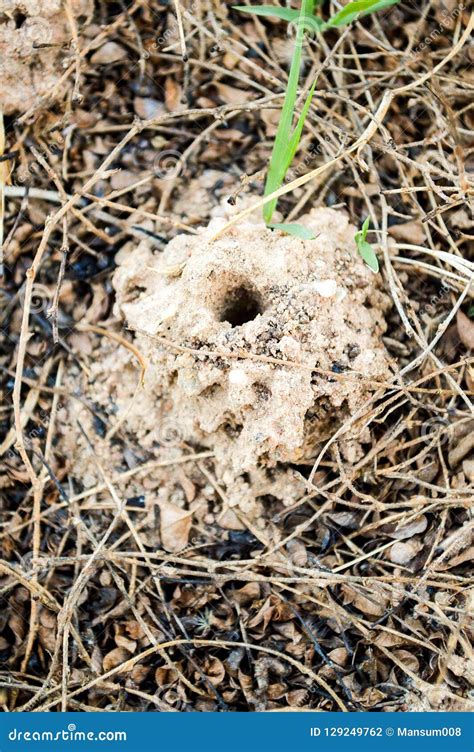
(276, 170)
(357, 8)
(286, 14)
(295, 229)
(286, 142)
(296, 135)
(365, 229)
(275, 11)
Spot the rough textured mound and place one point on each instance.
(34, 36)
(227, 309)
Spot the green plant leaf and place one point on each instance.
(365, 228)
(286, 14)
(364, 248)
(293, 228)
(277, 168)
(367, 253)
(296, 135)
(289, 151)
(286, 142)
(354, 9)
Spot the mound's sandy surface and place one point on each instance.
(224, 311)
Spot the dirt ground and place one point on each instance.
(186, 524)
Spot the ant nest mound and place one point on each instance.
(214, 318)
(34, 38)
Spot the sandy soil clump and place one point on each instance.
(213, 317)
(34, 38)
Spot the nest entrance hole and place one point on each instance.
(241, 304)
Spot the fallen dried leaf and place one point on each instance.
(247, 594)
(461, 450)
(402, 553)
(410, 232)
(110, 52)
(409, 529)
(115, 658)
(465, 328)
(372, 605)
(214, 670)
(175, 526)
